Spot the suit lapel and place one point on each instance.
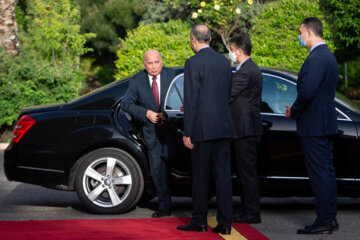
(163, 86)
(148, 91)
(245, 63)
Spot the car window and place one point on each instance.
(174, 99)
(341, 116)
(347, 102)
(277, 93)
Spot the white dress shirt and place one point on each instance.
(157, 81)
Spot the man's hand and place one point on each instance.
(288, 111)
(187, 142)
(154, 117)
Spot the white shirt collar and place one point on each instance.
(207, 46)
(240, 64)
(316, 45)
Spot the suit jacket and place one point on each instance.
(139, 98)
(314, 107)
(245, 99)
(207, 84)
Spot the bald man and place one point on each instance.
(208, 128)
(143, 101)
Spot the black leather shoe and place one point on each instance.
(247, 219)
(193, 227)
(316, 229)
(222, 230)
(333, 222)
(159, 213)
(240, 215)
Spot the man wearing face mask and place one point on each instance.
(314, 111)
(245, 100)
(143, 101)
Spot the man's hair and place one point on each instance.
(243, 42)
(201, 33)
(315, 25)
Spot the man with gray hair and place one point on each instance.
(145, 95)
(208, 128)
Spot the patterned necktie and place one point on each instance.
(155, 90)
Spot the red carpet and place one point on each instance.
(115, 229)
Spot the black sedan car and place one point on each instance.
(91, 146)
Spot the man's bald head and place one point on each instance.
(151, 52)
(152, 62)
(201, 33)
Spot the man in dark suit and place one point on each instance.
(314, 111)
(143, 99)
(208, 129)
(245, 100)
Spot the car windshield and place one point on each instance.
(347, 102)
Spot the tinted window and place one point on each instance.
(276, 94)
(347, 102)
(175, 96)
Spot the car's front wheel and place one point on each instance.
(108, 180)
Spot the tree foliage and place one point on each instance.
(28, 80)
(275, 33)
(46, 70)
(344, 16)
(109, 20)
(54, 31)
(160, 11)
(352, 88)
(171, 39)
(223, 16)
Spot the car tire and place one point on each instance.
(108, 181)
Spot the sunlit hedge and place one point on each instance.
(171, 39)
(275, 33)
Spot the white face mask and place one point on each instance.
(232, 56)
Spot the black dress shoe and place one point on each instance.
(316, 229)
(193, 227)
(247, 219)
(159, 213)
(333, 222)
(222, 230)
(240, 215)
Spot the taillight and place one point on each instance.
(22, 126)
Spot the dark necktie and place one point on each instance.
(155, 90)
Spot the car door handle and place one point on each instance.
(266, 124)
(180, 131)
(179, 114)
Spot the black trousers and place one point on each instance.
(247, 179)
(212, 156)
(160, 174)
(319, 165)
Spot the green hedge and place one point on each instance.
(171, 39)
(275, 33)
(26, 80)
